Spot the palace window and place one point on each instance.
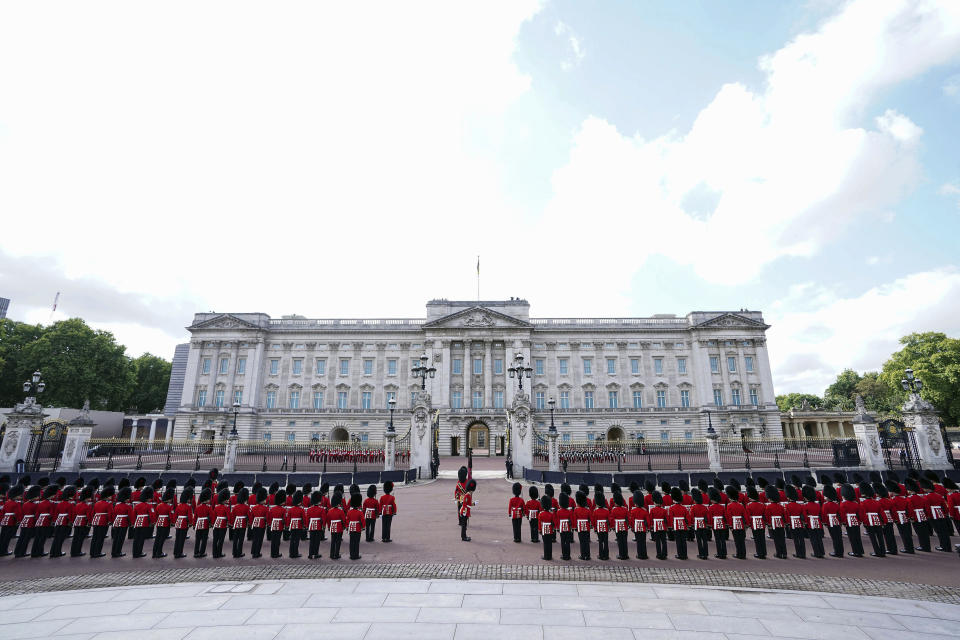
(714, 364)
(498, 366)
(564, 399)
(297, 366)
(588, 366)
(202, 398)
(748, 363)
(321, 367)
(658, 366)
(478, 399)
(732, 364)
(238, 396)
(267, 436)
(344, 366)
(341, 399)
(218, 398)
(635, 365)
(588, 399)
(271, 399)
(718, 397)
(541, 402)
(736, 397)
(477, 366)
(206, 366)
(661, 398)
(613, 399)
(294, 399)
(274, 366)
(241, 366)
(456, 400)
(638, 399)
(684, 398)
(224, 366)
(366, 400)
(611, 366)
(318, 400)
(681, 365)
(392, 367)
(368, 367)
(413, 398)
(391, 395)
(538, 366)
(457, 366)
(754, 397)
(498, 399)
(562, 366)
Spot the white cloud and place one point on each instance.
(787, 167)
(577, 53)
(951, 190)
(816, 334)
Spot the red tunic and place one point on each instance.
(142, 514)
(533, 508)
(388, 505)
(564, 520)
(794, 512)
(936, 505)
(657, 518)
(44, 514)
(618, 519)
(296, 518)
(221, 516)
(581, 519)
(314, 516)
(356, 522)
(756, 513)
(276, 518)
(371, 509)
(81, 514)
(163, 512)
(516, 508)
(830, 514)
(850, 513)
(12, 511)
(239, 514)
(718, 516)
(871, 514)
(700, 516)
(121, 515)
(773, 514)
(336, 520)
(812, 515)
(183, 516)
(62, 514)
(546, 521)
(736, 515)
(638, 519)
(600, 519)
(679, 518)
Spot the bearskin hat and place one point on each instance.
(545, 503)
(146, 494)
(773, 495)
(581, 499)
(564, 501)
(875, 476)
(223, 496)
(69, 492)
(169, 495)
(949, 483)
(848, 493)
(548, 490)
(752, 493)
(124, 494)
(657, 498)
(634, 486)
(881, 490)
(533, 492)
(600, 501)
(315, 498)
(107, 492)
(714, 495)
(280, 497)
(472, 485)
(187, 494)
(462, 474)
(335, 500)
(205, 495)
(371, 491)
(732, 493)
(677, 495)
(684, 485)
(791, 492)
(50, 491)
(649, 487)
(86, 494)
(139, 482)
(703, 485)
(830, 493)
(388, 487)
(243, 496)
(325, 487)
(637, 499)
(298, 498)
(517, 488)
(697, 495)
(809, 493)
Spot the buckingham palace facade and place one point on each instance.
(611, 379)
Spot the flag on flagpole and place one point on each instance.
(55, 299)
(478, 265)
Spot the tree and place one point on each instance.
(935, 359)
(79, 363)
(790, 400)
(839, 395)
(877, 394)
(152, 377)
(15, 369)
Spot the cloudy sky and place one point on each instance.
(604, 159)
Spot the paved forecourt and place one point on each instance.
(464, 610)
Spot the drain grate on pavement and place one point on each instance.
(432, 571)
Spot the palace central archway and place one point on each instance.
(614, 434)
(478, 437)
(339, 434)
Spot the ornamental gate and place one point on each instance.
(899, 447)
(46, 446)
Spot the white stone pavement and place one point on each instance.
(461, 610)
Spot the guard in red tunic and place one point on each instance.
(258, 522)
(388, 509)
(637, 523)
(717, 521)
(737, 521)
(100, 521)
(356, 523)
(142, 521)
(564, 525)
(679, 522)
(600, 519)
(794, 512)
(28, 520)
(239, 521)
(336, 522)
(953, 502)
(221, 521)
(700, 515)
(918, 514)
(758, 527)
(296, 524)
(122, 513)
(324, 504)
(80, 519)
(43, 525)
(515, 510)
(314, 516)
(657, 524)
(533, 509)
(12, 512)
(276, 518)
(873, 518)
(466, 509)
(581, 523)
(619, 517)
(850, 517)
(371, 510)
(937, 511)
(461, 488)
(62, 520)
(900, 512)
(164, 518)
(830, 519)
(182, 520)
(546, 522)
(775, 518)
(812, 520)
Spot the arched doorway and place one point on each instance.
(339, 434)
(478, 437)
(614, 434)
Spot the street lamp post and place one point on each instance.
(909, 383)
(33, 388)
(422, 371)
(518, 370)
(552, 438)
(236, 410)
(392, 402)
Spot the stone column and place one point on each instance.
(467, 375)
(713, 452)
(923, 418)
(134, 427)
(153, 431)
(446, 364)
(553, 457)
(420, 440)
(78, 435)
(521, 434)
(488, 374)
(230, 453)
(20, 424)
(389, 449)
(865, 430)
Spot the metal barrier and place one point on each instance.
(675, 455)
(789, 453)
(293, 457)
(152, 455)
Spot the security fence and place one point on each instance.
(153, 455)
(789, 453)
(293, 457)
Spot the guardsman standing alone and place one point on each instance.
(461, 488)
(466, 508)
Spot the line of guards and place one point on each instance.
(797, 511)
(56, 512)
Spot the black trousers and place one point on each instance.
(276, 537)
(942, 528)
(315, 540)
(660, 540)
(464, 521)
(200, 545)
(889, 539)
(335, 540)
(760, 542)
(219, 535)
(856, 542)
(119, 535)
(517, 525)
(6, 535)
(23, 542)
(680, 537)
(295, 536)
(875, 533)
(836, 536)
(721, 536)
(76, 545)
(355, 544)
(534, 531)
(906, 536)
(139, 538)
(371, 529)
(566, 540)
(779, 535)
(179, 539)
(385, 528)
(622, 552)
(816, 542)
(584, 537)
(547, 547)
(59, 535)
(159, 539)
(640, 537)
(603, 545)
(799, 542)
(702, 536)
(239, 535)
(96, 542)
(256, 540)
(740, 543)
(40, 535)
(922, 530)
